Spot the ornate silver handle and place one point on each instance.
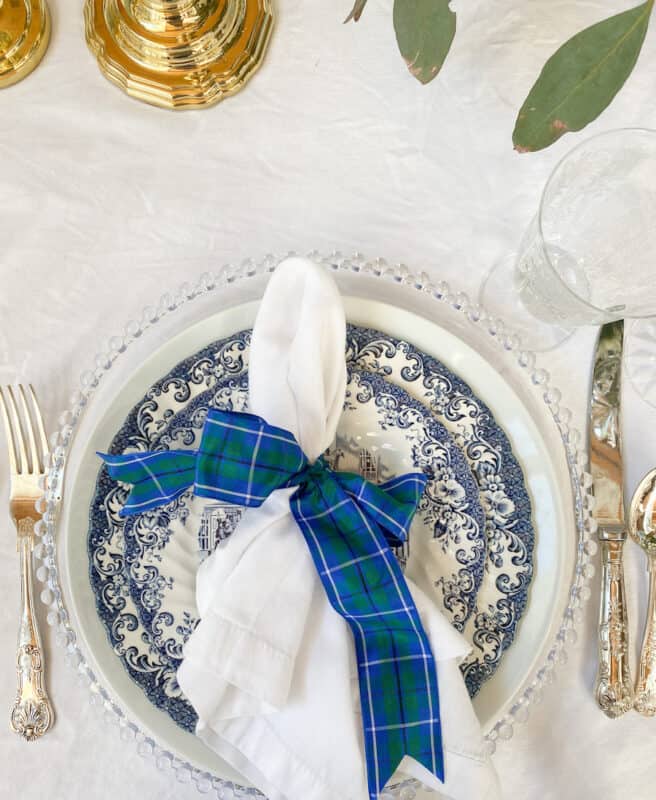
(31, 714)
(645, 700)
(613, 690)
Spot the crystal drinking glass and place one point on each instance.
(589, 255)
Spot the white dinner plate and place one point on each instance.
(535, 441)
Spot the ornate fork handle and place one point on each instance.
(614, 692)
(645, 700)
(31, 714)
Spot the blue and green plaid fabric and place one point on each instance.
(349, 525)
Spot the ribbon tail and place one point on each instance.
(346, 522)
(156, 477)
(434, 765)
(417, 733)
(431, 760)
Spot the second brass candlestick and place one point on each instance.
(179, 53)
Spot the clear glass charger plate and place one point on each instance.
(482, 350)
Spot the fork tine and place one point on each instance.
(40, 429)
(28, 426)
(13, 467)
(17, 432)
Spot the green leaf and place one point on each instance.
(581, 78)
(424, 32)
(356, 11)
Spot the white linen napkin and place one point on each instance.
(270, 668)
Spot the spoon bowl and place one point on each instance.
(642, 514)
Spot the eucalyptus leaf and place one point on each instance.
(581, 78)
(356, 11)
(424, 32)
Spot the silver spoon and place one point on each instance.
(642, 527)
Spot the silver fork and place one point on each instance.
(31, 714)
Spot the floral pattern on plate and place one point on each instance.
(509, 531)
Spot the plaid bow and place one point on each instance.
(349, 525)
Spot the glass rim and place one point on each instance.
(552, 175)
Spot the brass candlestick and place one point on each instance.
(24, 37)
(179, 53)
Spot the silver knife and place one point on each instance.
(613, 690)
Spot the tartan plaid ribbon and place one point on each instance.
(349, 525)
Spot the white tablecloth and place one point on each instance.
(105, 203)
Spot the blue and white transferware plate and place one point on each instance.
(383, 432)
(150, 652)
(509, 530)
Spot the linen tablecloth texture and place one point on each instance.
(271, 668)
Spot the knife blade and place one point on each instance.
(613, 689)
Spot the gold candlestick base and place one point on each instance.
(178, 53)
(24, 37)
